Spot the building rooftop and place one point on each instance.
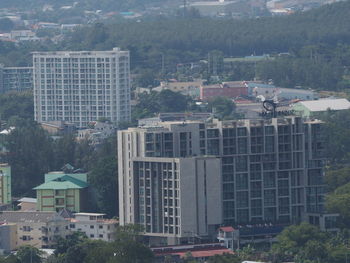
(226, 228)
(212, 3)
(325, 104)
(63, 183)
(28, 200)
(89, 214)
(26, 216)
(77, 53)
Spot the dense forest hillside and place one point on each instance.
(328, 25)
(318, 42)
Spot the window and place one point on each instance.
(242, 181)
(100, 235)
(26, 228)
(26, 238)
(72, 225)
(92, 227)
(92, 235)
(100, 227)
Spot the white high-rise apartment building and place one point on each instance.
(82, 86)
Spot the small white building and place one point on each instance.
(312, 107)
(229, 236)
(94, 225)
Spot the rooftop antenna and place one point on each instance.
(185, 6)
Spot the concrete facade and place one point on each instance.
(38, 229)
(15, 78)
(82, 86)
(94, 225)
(8, 237)
(271, 170)
(163, 188)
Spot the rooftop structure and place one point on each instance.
(174, 116)
(310, 108)
(27, 204)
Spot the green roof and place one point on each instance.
(62, 183)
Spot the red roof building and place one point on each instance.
(199, 251)
(226, 89)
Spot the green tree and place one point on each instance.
(30, 156)
(28, 253)
(63, 244)
(103, 177)
(299, 242)
(127, 248)
(337, 177)
(222, 107)
(338, 202)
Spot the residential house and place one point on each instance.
(63, 190)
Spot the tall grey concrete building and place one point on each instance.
(81, 86)
(270, 171)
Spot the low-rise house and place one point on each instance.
(228, 236)
(38, 229)
(63, 190)
(94, 225)
(58, 127)
(313, 107)
(187, 88)
(97, 132)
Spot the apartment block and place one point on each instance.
(15, 78)
(82, 86)
(271, 170)
(38, 229)
(63, 191)
(94, 226)
(5, 184)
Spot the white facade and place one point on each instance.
(94, 226)
(82, 86)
